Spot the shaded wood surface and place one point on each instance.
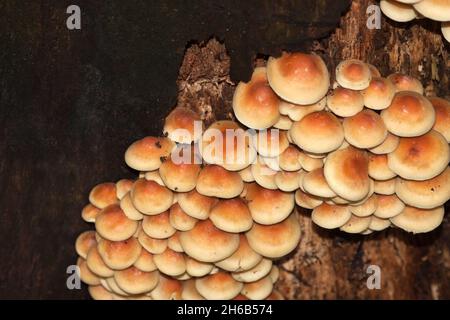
(71, 102)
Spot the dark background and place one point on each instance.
(72, 101)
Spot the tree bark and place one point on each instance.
(331, 264)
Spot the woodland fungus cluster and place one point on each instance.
(408, 10)
(212, 209)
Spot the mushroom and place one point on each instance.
(190, 292)
(231, 215)
(385, 187)
(170, 262)
(219, 286)
(353, 74)
(195, 204)
(378, 167)
(314, 183)
(180, 125)
(167, 289)
(318, 132)
(89, 213)
(287, 181)
(150, 198)
(179, 219)
(215, 181)
(158, 226)
(112, 224)
(267, 206)
(102, 195)
(86, 275)
(345, 102)
(99, 293)
(438, 10)
(365, 130)
(146, 154)
(409, 115)
(309, 163)
(330, 216)
(259, 271)
(96, 264)
(356, 224)
(417, 220)
(365, 209)
(126, 204)
(378, 224)
(119, 255)
(84, 242)
(420, 158)
(379, 94)
(298, 77)
(271, 143)
(346, 172)
(397, 11)
(442, 110)
(135, 281)
(197, 268)
(150, 244)
(425, 194)
(258, 290)
(275, 240)
(263, 174)
(388, 206)
(306, 200)
(207, 243)
(122, 187)
(288, 159)
(145, 262)
(283, 123)
(403, 82)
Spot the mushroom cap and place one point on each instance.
(123, 186)
(197, 268)
(378, 224)
(246, 174)
(195, 204)
(119, 255)
(263, 174)
(365, 209)
(259, 271)
(442, 110)
(445, 29)
(309, 163)
(296, 112)
(86, 275)
(306, 200)
(345, 102)
(385, 187)
(226, 144)
(150, 198)
(99, 293)
(218, 286)
(145, 262)
(315, 184)
(438, 10)
(356, 224)
(378, 167)
(255, 104)
(379, 94)
(426, 194)
(190, 292)
(330, 216)
(353, 74)
(346, 172)
(103, 194)
(150, 244)
(389, 145)
(126, 204)
(268, 206)
(417, 220)
(231, 215)
(179, 173)
(388, 206)
(287, 181)
(298, 77)
(397, 11)
(289, 159)
(318, 132)
(245, 258)
(84, 242)
(271, 143)
(366, 129)
(180, 125)
(283, 123)
(215, 181)
(403, 82)
(258, 290)
(112, 224)
(96, 264)
(409, 115)
(135, 281)
(420, 158)
(146, 154)
(207, 243)
(89, 213)
(167, 289)
(179, 219)
(158, 226)
(276, 240)
(170, 262)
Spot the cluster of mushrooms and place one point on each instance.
(408, 10)
(213, 209)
